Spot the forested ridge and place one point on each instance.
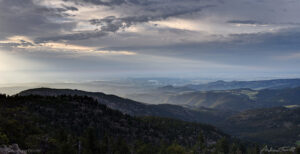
(78, 124)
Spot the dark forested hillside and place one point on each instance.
(136, 108)
(258, 126)
(68, 124)
(278, 126)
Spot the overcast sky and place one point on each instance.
(78, 40)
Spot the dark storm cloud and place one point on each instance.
(286, 37)
(22, 43)
(113, 24)
(24, 17)
(75, 36)
(252, 22)
(55, 12)
(186, 31)
(70, 8)
(100, 2)
(237, 49)
(130, 2)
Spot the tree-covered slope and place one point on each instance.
(133, 107)
(279, 125)
(66, 124)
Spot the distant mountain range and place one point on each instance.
(256, 85)
(235, 100)
(120, 87)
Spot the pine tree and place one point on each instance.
(200, 146)
(222, 146)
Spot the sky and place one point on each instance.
(80, 40)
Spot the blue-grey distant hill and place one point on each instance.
(235, 100)
(260, 84)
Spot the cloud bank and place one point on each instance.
(134, 36)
